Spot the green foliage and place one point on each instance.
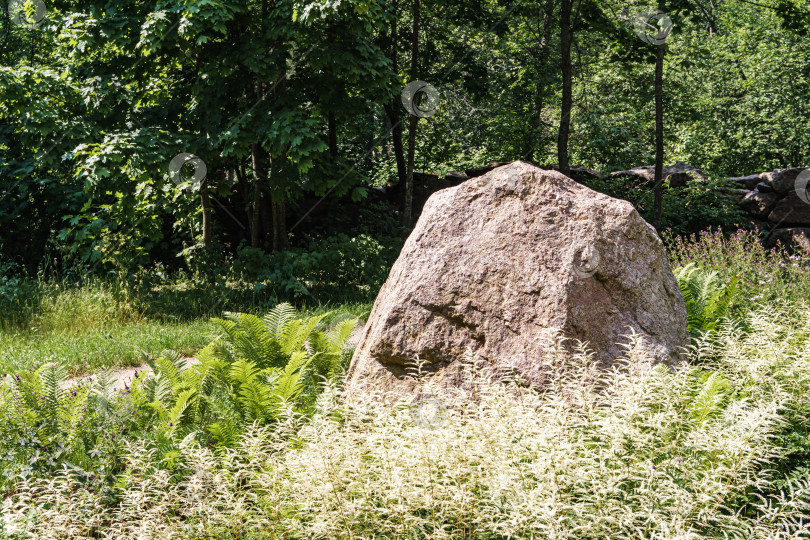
(686, 451)
(687, 209)
(48, 423)
(763, 276)
(707, 298)
(337, 268)
(257, 371)
(19, 296)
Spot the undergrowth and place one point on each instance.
(640, 451)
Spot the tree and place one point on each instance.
(565, 63)
(659, 125)
(413, 120)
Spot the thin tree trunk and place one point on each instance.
(280, 239)
(544, 30)
(278, 169)
(659, 136)
(255, 221)
(392, 110)
(387, 148)
(266, 213)
(205, 202)
(407, 211)
(565, 115)
(244, 191)
(333, 150)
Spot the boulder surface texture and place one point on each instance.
(503, 263)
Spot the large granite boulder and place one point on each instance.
(502, 264)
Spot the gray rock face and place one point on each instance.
(455, 177)
(759, 204)
(790, 210)
(677, 175)
(790, 237)
(480, 171)
(784, 179)
(502, 263)
(579, 173)
(747, 182)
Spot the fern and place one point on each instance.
(178, 414)
(52, 378)
(707, 299)
(253, 370)
(710, 398)
(278, 318)
(103, 393)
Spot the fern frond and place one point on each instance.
(243, 372)
(337, 338)
(169, 364)
(278, 318)
(226, 432)
(296, 333)
(52, 378)
(707, 299)
(289, 383)
(710, 398)
(178, 413)
(255, 400)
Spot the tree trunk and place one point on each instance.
(280, 239)
(333, 151)
(279, 172)
(396, 135)
(266, 214)
(392, 110)
(205, 201)
(565, 115)
(407, 211)
(544, 17)
(244, 191)
(255, 218)
(659, 136)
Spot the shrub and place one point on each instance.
(19, 296)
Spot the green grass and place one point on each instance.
(94, 325)
(109, 345)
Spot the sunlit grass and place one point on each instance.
(93, 326)
(109, 345)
